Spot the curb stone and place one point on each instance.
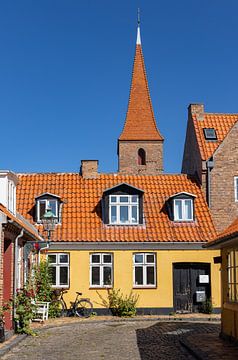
(197, 353)
(12, 343)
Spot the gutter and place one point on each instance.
(210, 166)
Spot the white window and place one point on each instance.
(183, 209)
(43, 204)
(124, 209)
(144, 270)
(236, 187)
(232, 275)
(101, 272)
(59, 268)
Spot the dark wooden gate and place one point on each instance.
(186, 284)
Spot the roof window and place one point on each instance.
(210, 134)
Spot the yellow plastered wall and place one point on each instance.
(161, 296)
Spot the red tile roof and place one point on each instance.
(222, 123)
(140, 122)
(23, 223)
(81, 216)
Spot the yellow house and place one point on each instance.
(227, 241)
(137, 229)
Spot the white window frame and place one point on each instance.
(58, 265)
(118, 204)
(101, 264)
(144, 264)
(47, 201)
(232, 279)
(184, 218)
(236, 187)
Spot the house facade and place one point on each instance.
(138, 229)
(15, 233)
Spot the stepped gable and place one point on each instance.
(82, 215)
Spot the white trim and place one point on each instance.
(144, 264)
(129, 204)
(101, 266)
(57, 265)
(38, 219)
(182, 193)
(138, 39)
(183, 218)
(236, 188)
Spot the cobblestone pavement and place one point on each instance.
(142, 340)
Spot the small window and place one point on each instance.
(236, 187)
(141, 157)
(59, 269)
(210, 134)
(144, 270)
(183, 209)
(124, 209)
(232, 275)
(43, 204)
(101, 272)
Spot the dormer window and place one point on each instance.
(47, 201)
(181, 207)
(210, 134)
(123, 209)
(123, 205)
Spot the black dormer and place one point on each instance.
(123, 205)
(46, 201)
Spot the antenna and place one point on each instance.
(138, 16)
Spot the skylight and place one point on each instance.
(210, 134)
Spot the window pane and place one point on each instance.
(95, 275)
(63, 258)
(150, 258)
(52, 259)
(52, 270)
(123, 199)
(123, 214)
(107, 275)
(52, 205)
(63, 275)
(134, 198)
(107, 258)
(42, 209)
(188, 209)
(178, 210)
(138, 258)
(138, 275)
(113, 214)
(113, 199)
(95, 258)
(134, 214)
(150, 275)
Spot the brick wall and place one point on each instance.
(1, 264)
(128, 157)
(223, 206)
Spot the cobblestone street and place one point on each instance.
(110, 340)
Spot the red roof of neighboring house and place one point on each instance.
(82, 215)
(222, 123)
(23, 223)
(140, 122)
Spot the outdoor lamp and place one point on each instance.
(49, 220)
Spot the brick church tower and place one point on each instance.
(140, 145)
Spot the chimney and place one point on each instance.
(89, 169)
(198, 110)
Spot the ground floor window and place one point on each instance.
(232, 273)
(144, 270)
(101, 270)
(59, 268)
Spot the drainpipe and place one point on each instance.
(44, 248)
(210, 166)
(16, 268)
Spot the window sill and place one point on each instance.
(144, 287)
(100, 287)
(60, 286)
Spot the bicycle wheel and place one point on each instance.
(83, 308)
(57, 308)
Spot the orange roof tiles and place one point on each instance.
(140, 122)
(81, 215)
(28, 228)
(231, 230)
(222, 123)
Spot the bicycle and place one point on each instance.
(80, 307)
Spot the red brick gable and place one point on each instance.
(82, 214)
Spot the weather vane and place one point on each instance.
(138, 16)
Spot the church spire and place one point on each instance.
(140, 122)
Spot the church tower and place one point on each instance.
(140, 145)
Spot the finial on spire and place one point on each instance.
(138, 40)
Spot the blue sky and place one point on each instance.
(65, 72)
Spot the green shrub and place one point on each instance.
(207, 307)
(119, 304)
(24, 310)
